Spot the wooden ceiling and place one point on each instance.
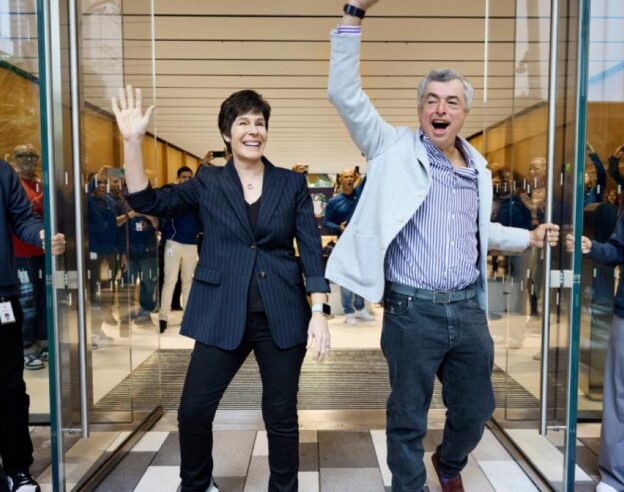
(189, 55)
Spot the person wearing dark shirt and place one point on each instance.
(180, 254)
(614, 163)
(142, 264)
(103, 245)
(17, 217)
(594, 183)
(338, 213)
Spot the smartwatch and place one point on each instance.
(353, 11)
(324, 309)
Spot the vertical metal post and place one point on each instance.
(48, 25)
(74, 82)
(552, 126)
(579, 182)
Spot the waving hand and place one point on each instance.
(128, 111)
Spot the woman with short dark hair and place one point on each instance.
(248, 291)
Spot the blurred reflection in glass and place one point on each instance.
(536, 202)
(102, 233)
(30, 262)
(142, 266)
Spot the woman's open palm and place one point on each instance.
(128, 111)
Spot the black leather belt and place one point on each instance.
(434, 296)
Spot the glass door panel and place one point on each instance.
(605, 135)
(20, 145)
(533, 159)
(94, 384)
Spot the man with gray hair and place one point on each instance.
(418, 239)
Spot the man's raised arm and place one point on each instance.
(367, 128)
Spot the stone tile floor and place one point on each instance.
(330, 461)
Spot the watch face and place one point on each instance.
(326, 309)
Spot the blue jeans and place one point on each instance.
(145, 269)
(32, 298)
(421, 339)
(350, 301)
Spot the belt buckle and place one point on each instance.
(441, 297)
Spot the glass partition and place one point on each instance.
(605, 136)
(532, 155)
(106, 367)
(20, 145)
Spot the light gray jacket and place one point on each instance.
(397, 182)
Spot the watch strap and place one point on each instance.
(322, 308)
(353, 11)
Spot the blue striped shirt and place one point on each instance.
(438, 248)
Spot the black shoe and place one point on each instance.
(163, 325)
(23, 482)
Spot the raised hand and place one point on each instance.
(590, 148)
(128, 111)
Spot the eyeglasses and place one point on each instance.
(28, 155)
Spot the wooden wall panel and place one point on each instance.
(19, 100)
(98, 146)
(102, 144)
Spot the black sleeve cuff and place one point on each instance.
(140, 199)
(317, 284)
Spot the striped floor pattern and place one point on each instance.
(330, 461)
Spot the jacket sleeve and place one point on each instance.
(23, 221)
(309, 240)
(610, 253)
(329, 220)
(367, 128)
(600, 174)
(169, 200)
(614, 170)
(505, 238)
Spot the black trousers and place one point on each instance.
(15, 444)
(210, 371)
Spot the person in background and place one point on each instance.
(611, 457)
(17, 217)
(102, 215)
(142, 265)
(30, 262)
(338, 213)
(180, 253)
(595, 182)
(535, 200)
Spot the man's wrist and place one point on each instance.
(351, 19)
(352, 9)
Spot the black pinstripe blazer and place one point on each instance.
(215, 313)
